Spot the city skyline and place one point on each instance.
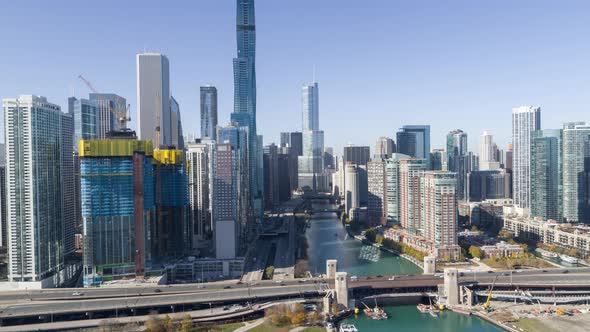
(479, 77)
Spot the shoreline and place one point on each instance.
(393, 252)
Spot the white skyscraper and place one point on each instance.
(311, 163)
(153, 98)
(351, 185)
(200, 159)
(33, 132)
(487, 153)
(525, 120)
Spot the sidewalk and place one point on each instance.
(249, 326)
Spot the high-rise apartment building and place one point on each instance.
(546, 174)
(86, 119)
(457, 154)
(153, 98)
(392, 169)
(438, 160)
(351, 188)
(271, 176)
(410, 173)
(576, 185)
(384, 148)
(208, 112)
(440, 213)
(200, 182)
(484, 185)
(525, 120)
(225, 201)
(377, 191)
(68, 185)
(33, 132)
(293, 140)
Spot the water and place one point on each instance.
(327, 239)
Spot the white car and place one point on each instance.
(77, 294)
(391, 278)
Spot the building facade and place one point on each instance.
(410, 197)
(384, 147)
(576, 152)
(377, 189)
(200, 161)
(153, 98)
(208, 112)
(525, 120)
(546, 174)
(414, 141)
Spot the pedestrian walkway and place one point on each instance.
(250, 325)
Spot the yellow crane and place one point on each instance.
(120, 115)
(486, 306)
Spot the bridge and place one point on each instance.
(204, 301)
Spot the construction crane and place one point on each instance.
(486, 306)
(120, 115)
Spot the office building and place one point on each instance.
(458, 160)
(483, 185)
(271, 176)
(576, 165)
(200, 163)
(33, 133)
(525, 120)
(208, 112)
(85, 115)
(172, 236)
(311, 163)
(377, 191)
(294, 141)
(176, 136)
(488, 153)
(153, 98)
(225, 202)
(108, 105)
(358, 155)
(384, 148)
(329, 161)
(68, 185)
(410, 173)
(546, 174)
(287, 173)
(414, 141)
(438, 160)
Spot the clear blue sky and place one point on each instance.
(379, 63)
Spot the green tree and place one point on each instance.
(187, 324)
(476, 252)
(379, 239)
(371, 234)
(154, 324)
(168, 324)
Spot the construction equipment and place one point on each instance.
(486, 306)
(120, 115)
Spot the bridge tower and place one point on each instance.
(331, 265)
(429, 264)
(341, 285)
(451, 282)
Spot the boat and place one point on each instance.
(347, 328)
(546, 254)
(433, 314)
(375, 313)
(423, 308)
(569, 259)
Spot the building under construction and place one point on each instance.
(118, 206)
(171, 234)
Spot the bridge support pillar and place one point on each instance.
(467, 296)
(429, 264)
(331, 265)
(451, 282)
(341, 286)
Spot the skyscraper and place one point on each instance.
(525, 120)
(576, 185)
(68, 185)
(33, 132)
(384, 148)
(200, 181)
(225, 198)
(208, 112)
(245, 94)
(546, 174)
(377, 191)
(457, 154)
(294, 141)
(107, 121)
(176, 125)
(358, 155)
(271, 176)
(410, 173)
(153, 98)
(392, 170)
(86, 119)
(414, 141)
(311, 163)
(487, 153)
(118, 195)
(351, 188)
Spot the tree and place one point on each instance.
(476, 252)
(371, 234)
(301, 268)
(379, 239)
(187, 324)
(168, 324)
(154, 324)
(269, 272)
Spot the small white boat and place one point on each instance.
(547, 254)
(569, 259)
(348, 328)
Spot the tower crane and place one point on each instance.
(120, 115)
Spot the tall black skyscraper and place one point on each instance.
(208, 112)
(358, 155)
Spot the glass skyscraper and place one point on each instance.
(414, 141)
(208, 112)
(546, 174)
(525, 120)
(576, 186)
(245, 91)
(311, 163)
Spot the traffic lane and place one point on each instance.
(55, 307)
(561, 279)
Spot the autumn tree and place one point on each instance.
(476, 252)
(187, 324)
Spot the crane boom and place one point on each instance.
(120, 116)
(486, 305)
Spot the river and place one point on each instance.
(327, 239)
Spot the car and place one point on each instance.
(391, 278)
(157, 290)
(240, 283)
(283, 284)
(300, 281)
(379, 276)
(77, 294)
(490, 271)
(461, 274)
(227, 287)
(566, 271)
(225, 308)
(354, 278)
(439, 275)
(544, 271)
